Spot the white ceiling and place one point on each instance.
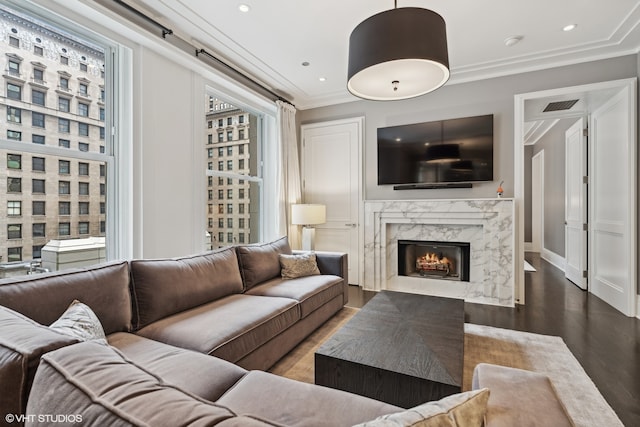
(275, 37)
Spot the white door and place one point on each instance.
(612, 205)
(331, 176)
(576, 204)
(537, 202)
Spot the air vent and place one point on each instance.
(560, 105)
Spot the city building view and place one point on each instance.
(53, 160)
(233, 181)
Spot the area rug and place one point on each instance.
(539, 353)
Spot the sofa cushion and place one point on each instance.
(311, 291)
(22, 342)
(458, 410)
(519, 396)
(99, 386)
(44, 297)
(292, 403)
(299, 265)
(205, 376)
(261, 261)
(229, 328)
(81, 322)
(162, 287)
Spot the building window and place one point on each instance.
(240, 193)
(37, 164)
(37, 186)
(14, 68)
(210, 139)
(37, 50)
(83, 67)
(229, 222)
(230, 193)
(220, 137)
(240, 222)
(64, 83)
(230, 135)
(38, 98)
(210, 124)
(210, 223)
(83, 169)
(241, 134)
(83, 129)
(14, 185)
(64, 104)
(220, 208)
(241, 119)
(103, 170)
(37, 139)
(64, 60)
(83, 109)
(230, 208)
(83, 227)
(103, 227)
(230, 150)
(65, 143)
(38, 207)
(103, 189)
(14, 41)
(101, 114)
(14, 254)
(83, 188)
(241, 208)
(220, 194)
(14, 208)
(210, 195)
(64, 208)
(83, 89)
(210, 152)
(241, 164)
(220, 151)
(220, 222)
(241, 238)
(229, 165)
(83, 208)
(103, 208)
(64, 167)
(220, 123)
(14, 135)
(220, 180)
(229, 121)
(38, 75)
(64, 125)
(14, 91)
(37, 251)
(221, 237)
(64, 187)
(220, 165)
(14, 114)
(38, 229)
(14, 161)
(83, 146)
(37, 120)
(64, 229)
(14, 231)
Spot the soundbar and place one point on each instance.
(433, 186)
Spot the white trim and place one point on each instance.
(638, 306)
(539, 157)
(553, 258)
(528, 247)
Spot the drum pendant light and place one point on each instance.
(398, 54)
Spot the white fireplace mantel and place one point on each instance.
(487, 224)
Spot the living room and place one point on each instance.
(160, 187)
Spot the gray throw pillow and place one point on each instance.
(81, 322)
(458, 410)
(300, 265)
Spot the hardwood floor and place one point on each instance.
(605, 342)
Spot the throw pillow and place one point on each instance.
(298, 265)
(81, 322)
(458, 410)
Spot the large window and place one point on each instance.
(48, 100)
(238, 174)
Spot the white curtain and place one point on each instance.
(289, 187)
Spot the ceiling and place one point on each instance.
(274, 38)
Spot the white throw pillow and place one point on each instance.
(81, 322)
(458, 410)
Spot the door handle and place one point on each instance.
(351, 225)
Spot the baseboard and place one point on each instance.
(553, 258)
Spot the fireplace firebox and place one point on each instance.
(435, 260)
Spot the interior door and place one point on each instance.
(612, 205)
(576, 204)
(331, 176)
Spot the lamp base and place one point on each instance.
(308, 238)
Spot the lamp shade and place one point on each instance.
(398, 54)
(308, 214)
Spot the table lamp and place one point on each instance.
(308, 215)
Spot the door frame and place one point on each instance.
(360, 122)
(630, 85)
(537, 189)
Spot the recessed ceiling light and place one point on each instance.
(569, 27)
(398, 139)
(305, 64)
(512, 40)
(323, 79)
(244, 8)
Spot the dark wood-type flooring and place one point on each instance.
(605, 342)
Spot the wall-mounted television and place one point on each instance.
(436, 153)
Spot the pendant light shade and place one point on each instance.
(398, 54)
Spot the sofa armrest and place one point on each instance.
(335, 263)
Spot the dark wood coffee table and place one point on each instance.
(403, 349)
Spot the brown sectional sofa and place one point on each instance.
(183, 333)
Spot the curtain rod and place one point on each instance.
(119, 6)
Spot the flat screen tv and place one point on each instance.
(436, 153)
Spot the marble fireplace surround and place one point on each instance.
(487, 224)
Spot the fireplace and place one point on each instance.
(434, 260)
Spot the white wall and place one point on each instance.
(493, 96)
